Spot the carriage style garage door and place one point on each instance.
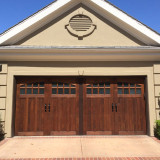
(80, 106)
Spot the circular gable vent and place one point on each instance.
(80, 23)
(80, 26)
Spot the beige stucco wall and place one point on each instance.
(77, 69)
(55, 34)
(157, 89)
(3, 92)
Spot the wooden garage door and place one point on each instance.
(98, 104)
(114, 106)
(80, 106)
(47, 106)
(130, 110)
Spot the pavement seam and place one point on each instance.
(81, 146)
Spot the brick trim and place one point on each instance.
(3, 141)
(89, 158)
(156, 139)
(87, 136)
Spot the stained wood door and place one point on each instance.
(114, 106)
(47, 106)
(30, 100)
(98, 115)
(63, 105)
(130, 110)
(75, 106)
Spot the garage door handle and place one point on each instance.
(45, 108)
(112, 107)
(49, 107)
(116, 107)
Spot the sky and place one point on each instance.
(14, 11)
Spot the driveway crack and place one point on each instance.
(81, 146)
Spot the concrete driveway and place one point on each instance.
(104, 147)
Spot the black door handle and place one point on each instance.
(112, 107)
(49, 108)
(116, 107)
(45, 108)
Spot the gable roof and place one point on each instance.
(59, 7)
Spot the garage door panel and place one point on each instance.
(129, 113)
(101, 113)
(19, 120)
(130, 116)
(73, 115)
(140, 115)
(87, 115)
(131, 121)
(98, 116)
(138, 120)
(108, 115)
(93, 116)
(25, 114)
(29, 115)
(54, 111)
(63, 114)
(120, 116)
(40, 114)
(88, 105)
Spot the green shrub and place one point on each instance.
(2, 134)
(157, 129)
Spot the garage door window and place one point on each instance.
(63, 88)
(32, 88)
(129, 88)
(98, 88)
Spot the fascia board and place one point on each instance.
(32, 20)
(80, 54)
(80, 57)
(128, 20)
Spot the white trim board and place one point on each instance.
(102, 7)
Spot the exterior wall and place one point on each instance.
(157, 89)
(3, 92)
(79, 69)
(55, 34)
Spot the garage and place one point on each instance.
(80, 106)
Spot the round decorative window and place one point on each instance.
(80, 26)
(80, 23)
